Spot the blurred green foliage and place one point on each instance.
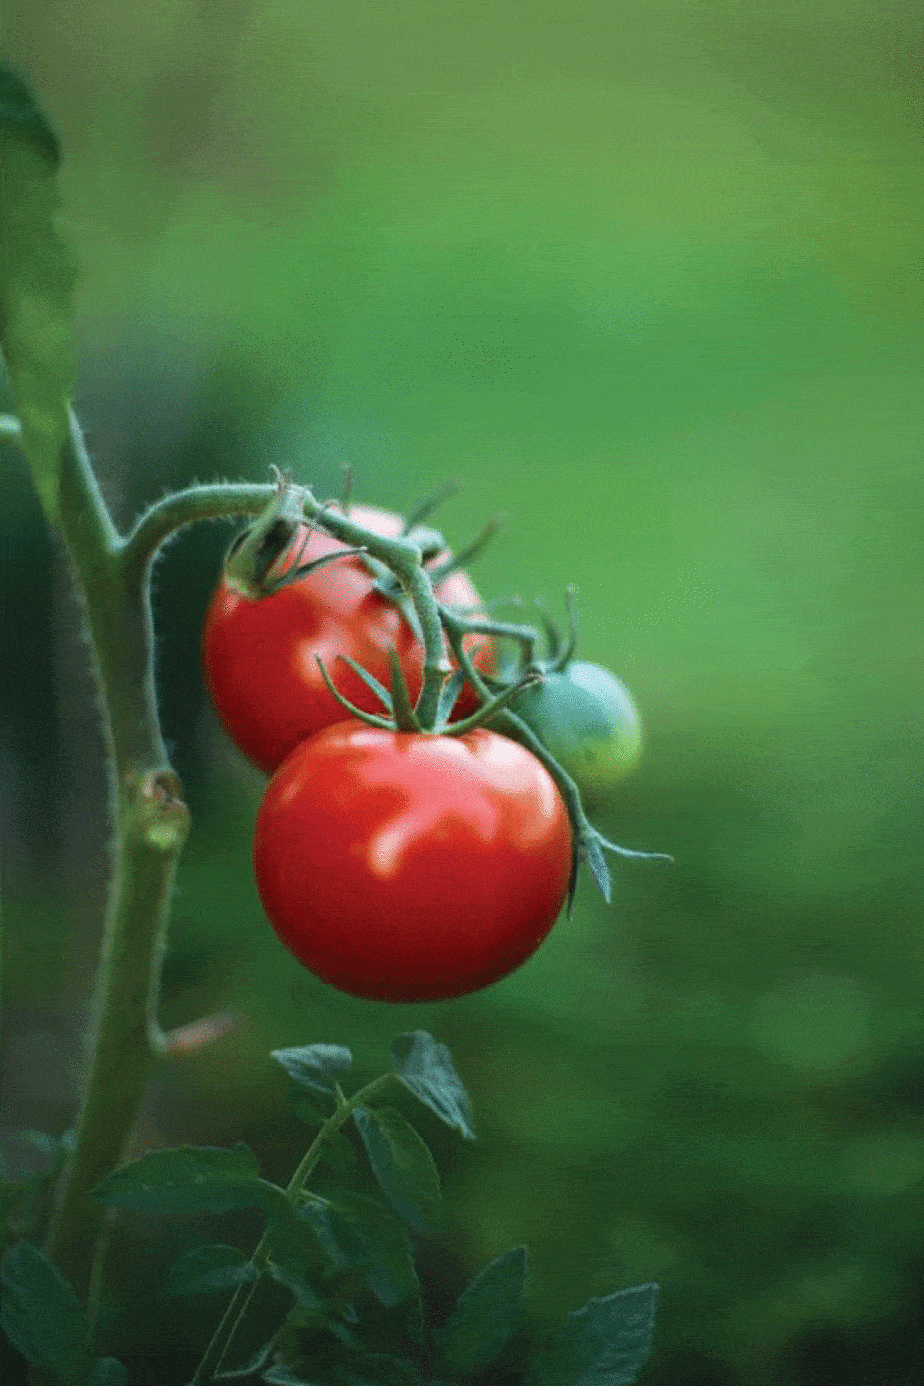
(646, 279)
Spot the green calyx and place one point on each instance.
(400, 713)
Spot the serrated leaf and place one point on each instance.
(357, 1232)
(486, 1316)
(426, 1068)
(209, 1269)
(605, 1343)
(402, 1164)
(41, 1314)
(316, 1066)
(37, 276)
(190, 1179)
(109, 1371)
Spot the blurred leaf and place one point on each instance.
(295, 1257)
(486, 1316)
(41, 1315)
(190, 1179)
(37, 276)
(316, 1066)
(208, 1269)
(288, 1270)
(359, 1232)
(605, 1343)
(282, 1376)
(402, 1163)
(109, 1371)
(377, 1369)
(427, 1069)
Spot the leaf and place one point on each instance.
(357, 1232)
(603, 1344)
(486, 1316)
(315, 1066)
(283, 1376)
(427, 1069)
(402, 1164)
(190, 1179)
(41, 1315)
(207, 1270)
(289, 1272)
(109, 1371)
(294, 1257)
(378, 1369)
(37, 277)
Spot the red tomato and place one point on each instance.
(405, 867)
(260, 656)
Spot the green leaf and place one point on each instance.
(378, 1369)
(291, 1274)
(402, 1163)
(284, 1376)
(190, 1179)
(208, 1270)
(427, 1069)
(316, 1066)
(109, 1371)
(37, 276)
(603, 1344)
(358, 1232)
(41, 1315)
(294, 1257)
(487, 1315)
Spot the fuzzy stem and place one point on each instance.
(403, 557)
(224, 1334)
(151, 824)
(222, 500)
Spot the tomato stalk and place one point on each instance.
(150, 825)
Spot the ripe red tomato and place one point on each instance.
(405, 867)
(260, 656)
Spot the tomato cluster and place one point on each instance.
(401, 865)
(261, 657)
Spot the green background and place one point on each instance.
(646, 279)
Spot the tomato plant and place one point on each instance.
(585, 716)
(407, 867)
(260, 657)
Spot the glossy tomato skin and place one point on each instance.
(260, 656)
(586, 717)
(404, 867)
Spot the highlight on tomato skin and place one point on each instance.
(411, 867)
(260, 657)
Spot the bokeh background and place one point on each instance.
(645, 278)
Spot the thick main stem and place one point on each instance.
(151, 823)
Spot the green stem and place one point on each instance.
(222, 500)
(151, 824)
(403, 557)
(224, 1334)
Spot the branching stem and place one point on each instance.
(224, 1334)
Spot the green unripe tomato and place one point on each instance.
(586, 718)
